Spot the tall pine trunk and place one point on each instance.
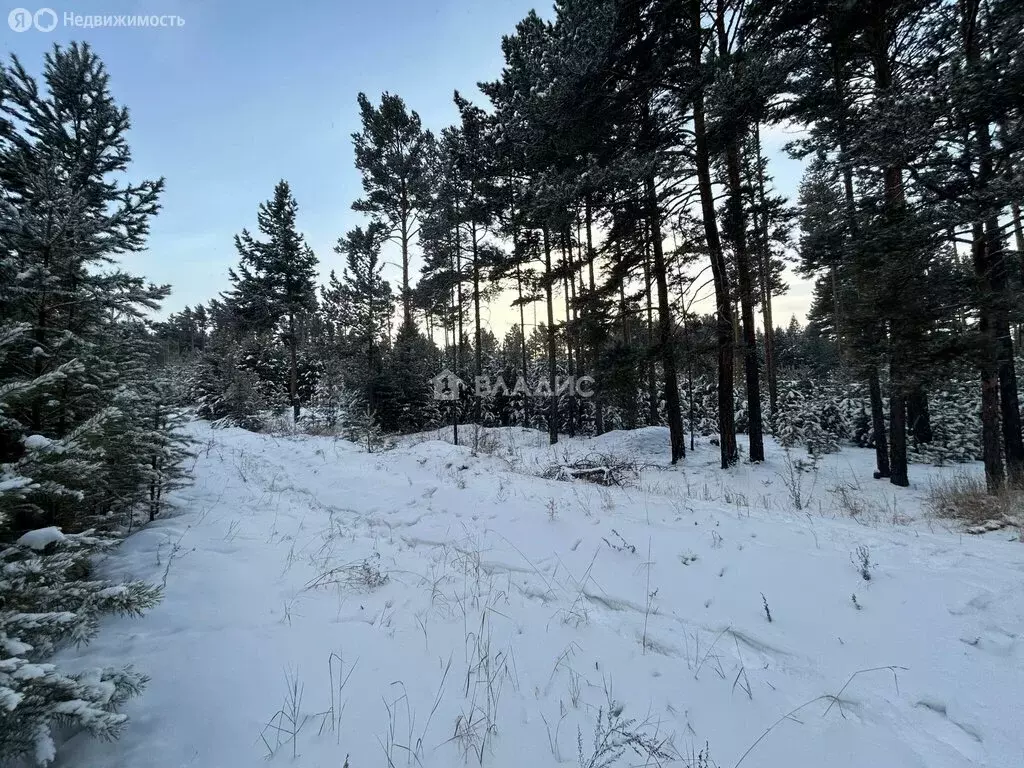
(879, 40)
(630, 412)
(522, 342)
(595, 353)
(477, 331)
(764, 268)
(723, 299)
(899, 378)
(988, 368)
(568, 283)
(459, 352)
(1018, 232)
(666, 343)
(993, 271)
(653, 417)
(898, 465)
(293, 366)
(1013, 445)
(738, 224)
(918, 416)
(552, 346)
(882, 465)
(405, 236)
(746, 285)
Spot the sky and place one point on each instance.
(248, 92)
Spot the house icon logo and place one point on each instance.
(447, 386)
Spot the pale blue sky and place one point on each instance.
(249, 91)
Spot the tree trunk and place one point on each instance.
(1018, 234)
(478, 355)
(897, 426)
(653, 416)
(746, 286)
(988, 366)
(880, 42)
(990, 448)
(522, 342)
(456, 404)
(765, 274)
(898, 379)
(567, 286)
(1013, 445)
(630, 414)
(405, 236)
(665, 340)
(595, 353)
(837, 312)
(552, 348)
(723, 300)
(993, 271)
(738, 222)
(293, 378)
(882, 466)
(918, 418)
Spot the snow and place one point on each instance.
(37, 442)
(41, 538)
(9, 699)
(427, 606)
(9, 482)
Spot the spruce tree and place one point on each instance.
(275, 287)
(362, 305)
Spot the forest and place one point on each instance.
(609, 194)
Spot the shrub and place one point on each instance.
(966, 499)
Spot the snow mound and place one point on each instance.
(41, 538)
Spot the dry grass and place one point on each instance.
(966, 500)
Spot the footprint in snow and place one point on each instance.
(976, 604)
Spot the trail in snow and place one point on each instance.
(481, 612)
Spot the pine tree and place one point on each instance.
(73, 352)
(694, 80)
(362, 305)
(771, 220)
(406, 398)
(275, 286)
(969, 135)
(738, 103)
(477, 171)
(393, 155)
(48, 600)
(822, 243)
(66, 216)
(529, 144)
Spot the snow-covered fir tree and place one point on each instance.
(89, 442)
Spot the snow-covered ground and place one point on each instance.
(428, 606)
